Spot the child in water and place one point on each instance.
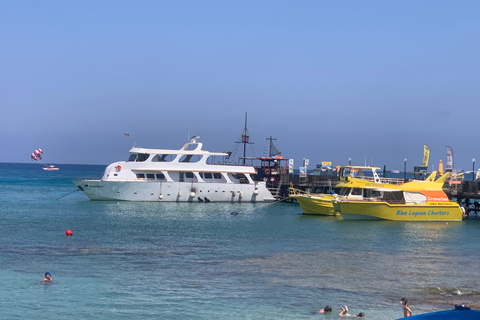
(344, 313)
(48, 277)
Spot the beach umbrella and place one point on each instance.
(440, 168)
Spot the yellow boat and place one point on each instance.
(350, 186)
(315, 204)
(413, 201)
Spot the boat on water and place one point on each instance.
(189, 174)
(50, 168)
(460, 312)
(412, 201)
(353, 180)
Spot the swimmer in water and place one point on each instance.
(344, 313)
(326, 309)
(48, 277)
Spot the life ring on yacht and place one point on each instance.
(267, 171)
(118, 167)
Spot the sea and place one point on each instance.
(138, 260)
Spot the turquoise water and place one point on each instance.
(197, 261)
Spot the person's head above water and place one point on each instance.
(326, 309)
(361, 315)
(48, 276)
(404, 301)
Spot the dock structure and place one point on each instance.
(465, 193)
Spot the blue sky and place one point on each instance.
(331, 80)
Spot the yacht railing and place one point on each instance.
(382, 180)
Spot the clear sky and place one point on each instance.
(369, 80)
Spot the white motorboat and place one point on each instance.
(50, 168)
(186, 175)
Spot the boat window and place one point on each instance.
(140, 176)
(160, 176)
(189, 175)
(142, 157)
(185, 158)
(208, 175)
(369, 193)
(132, 157)
(161, 158)
(394, 196)
(189, 158)
(181, 176)
(217, 175)
(344, 191)
(240, 177)
(150, 176)
(356, 192)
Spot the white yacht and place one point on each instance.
(186, 175)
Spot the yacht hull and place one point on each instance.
(155, 191)
(365, 210)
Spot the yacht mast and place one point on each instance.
(245, 139)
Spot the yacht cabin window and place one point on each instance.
(162, 158)
(160, 176)
(192, 158)
(150, 176)
(138, 157)
(189, 175)
(207, 175)
(140, 176)
(142, 157)
(241, 177)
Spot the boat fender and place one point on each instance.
(192, 194)
(179, 193)
(118, 167)
(233, 192)
(160, 196)
(240, 194)
(267, 171)
(255, 192)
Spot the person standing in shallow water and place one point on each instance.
(406, 309)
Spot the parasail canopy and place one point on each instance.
(36, 155)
